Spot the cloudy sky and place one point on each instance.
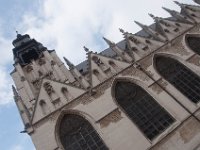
(66, 26)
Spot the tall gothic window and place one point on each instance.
(76, 133)
(186, 81)
(151, 118)
(194, 43)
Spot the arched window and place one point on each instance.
(76, 133)
(151, 118)
(194, 43)
(186, 81)
(66, 93)
(111, 63)
(44, 107)
(98, 75)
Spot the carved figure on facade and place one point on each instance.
(36, 83)
(53, 63)
(41, 61)
(48, 88)
(29, 68)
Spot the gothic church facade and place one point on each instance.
(141, 93)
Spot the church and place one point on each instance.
(142, 93)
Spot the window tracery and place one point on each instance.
(151, 118)
(76, 133)
(194, 43)
(183, 79)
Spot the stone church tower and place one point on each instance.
(141, 93)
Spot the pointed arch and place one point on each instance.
(113, 65)
(98, 75)
(66, 93)
(193, 42)
(181, 77)
(44, 107)
(75, 132)
(149, 116)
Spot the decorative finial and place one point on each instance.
(121, 30)
(86, 49)
(15, 92)
(71, 66)
(140, 24)
(176, 2)
(110, 43)
(167, 9)
(151, 15)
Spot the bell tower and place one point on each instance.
(38, 73)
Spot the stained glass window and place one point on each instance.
(76, 133)
(151, 118)
(186, 81)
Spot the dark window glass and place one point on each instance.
(180, 76)
(194, 44)
(151, 118)
(76, 133)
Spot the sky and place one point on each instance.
(65, 26)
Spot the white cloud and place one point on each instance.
(5, 87)
(67, 26)
(17, 147)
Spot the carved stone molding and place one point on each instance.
(128, 72)
(194, 60)
(135, 72)
(176, 47)
(112, 117)
(48, 88)
(49, 75)
(145, 63)
(53, 63)
(41, 61)
(162, 83)
(41, 122)
(105, 85)
(36, 83)
(52, 118)
(86, 99)
(155, 87)
(23, 78)
(29, 68)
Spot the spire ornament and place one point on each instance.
(110, 43)
(86, 49)
(15, 93)
(178, 16)
(71, 66)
